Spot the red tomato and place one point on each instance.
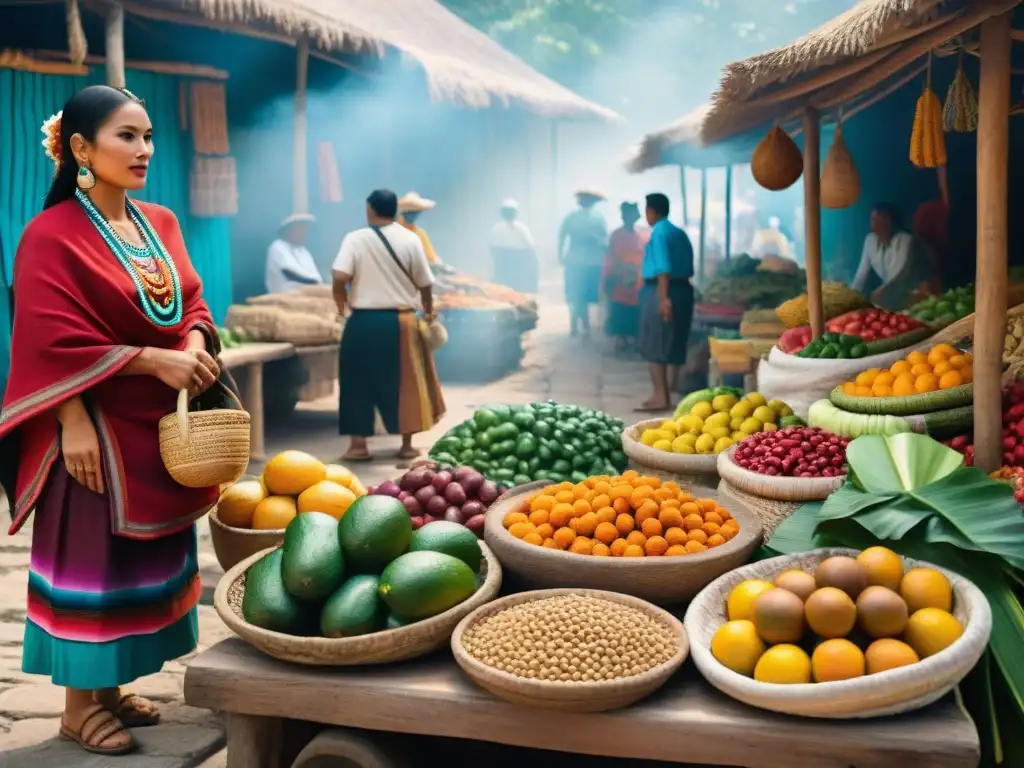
(853, 328)
(887, 332)
(876, 326)
(868, 335)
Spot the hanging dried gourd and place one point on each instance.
(840, 182)
(960, 113)
(777, 161)
(927, 140)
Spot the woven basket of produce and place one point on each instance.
(904, 405)
(498, 646)
(382, 646)
(685, 468)
(939, 424)
(297, 302)
(784, 484)
(836, 299)
(668, 552)
(201, 449)
(962, 331)
(257, 323)
(232, 545)
(776, 162)
(747, 637)
(305, 330)
(323, 291)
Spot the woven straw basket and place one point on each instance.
(381, 647)
(686, 469)
(778, 488)
(886, 693)
(769, 512)
(905, 405)
(204, 448)
(599, 696)
(233, 545)
(662, 580)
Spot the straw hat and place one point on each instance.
(296, 218)
(411, 202)
(594, 192)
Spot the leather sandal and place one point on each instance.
(98, 726)
(135, 711)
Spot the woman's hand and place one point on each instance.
(80, 446)
(193, 369)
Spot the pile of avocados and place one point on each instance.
(366, 573)
(836, 346)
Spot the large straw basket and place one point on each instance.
(686, 469)
(662, 580)
(233, 545)
(779, 488)
(377, 648)
(599, 696)
(905, 405)
(886, 693)
(205, 448)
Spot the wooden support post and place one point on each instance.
(812, 217)
(115, 45)
(728, 213)
(703, 224)
(300, 150)
(682, 189)
(990, 282)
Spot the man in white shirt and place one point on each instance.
(289, 264)
(381, 277)
(893, 255)
(513, 254)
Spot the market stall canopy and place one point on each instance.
(680, 144)
(462, 64)
(847, 64)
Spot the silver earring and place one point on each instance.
(86, 179)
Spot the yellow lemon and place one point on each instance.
(743, 595)
(783, 664)
(702, 410)
(722, 443)
(756, 399)
(649, 437)
(736, 645)
(662, 445)
(931, 630)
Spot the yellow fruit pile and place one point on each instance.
(711, 427)
(944, 367)
(627, 516)
(292, 482)
(855, 617)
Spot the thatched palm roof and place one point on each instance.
(462, 64)
(871, 48)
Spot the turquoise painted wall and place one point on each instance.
(25, 174)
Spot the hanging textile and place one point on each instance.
(209, 119)
(213, 187)
(328, 174)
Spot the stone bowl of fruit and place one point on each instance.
(636, 534)
(688, 445)
(252, 514)
(837, 633)
(791, 464)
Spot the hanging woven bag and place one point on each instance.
(776, 162)
(840, 182)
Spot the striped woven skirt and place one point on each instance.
(104, 610)
(385, 367)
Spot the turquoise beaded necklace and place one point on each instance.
(152, 251)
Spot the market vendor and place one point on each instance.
(513, 255)
(290, 265)
(666, 302)
(622, 280)
(895, 256)
(410, 207)
(582, 239)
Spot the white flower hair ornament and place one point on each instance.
(52, 141)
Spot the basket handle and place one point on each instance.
(183, 416)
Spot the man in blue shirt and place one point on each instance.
(666, 302)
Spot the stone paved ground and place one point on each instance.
(567, 370)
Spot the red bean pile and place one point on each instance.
(794, 452)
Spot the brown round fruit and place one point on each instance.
(830, 612)
(800, 583)
(881, 612)
(778, 616)
(842, 572)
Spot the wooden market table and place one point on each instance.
(686, 721)
(248, 359)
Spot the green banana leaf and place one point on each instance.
(908, 493)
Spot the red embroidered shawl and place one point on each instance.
(77, 323)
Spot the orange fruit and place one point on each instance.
(904, 384)
(580, 507)
(693, 547)
(514, 517)
(581, 545)
(624, 524)
(621, 506)
(941, 367)
(534, 538)
(926, 383)
(561, 515)
(950, 379)
(656, 545)
(710, 528)
(689, 508)
(723, 513)
(630, 475)
(621, 491)
(697, 535)
(586, 525)
(675, 536)
(291, 472)
(640, 495)
(866, 378)
(605, 515)
(670, 517)
(603, 487)
(601, 500)
(693, 522)
(546, 531)
(716, 541)
(274, 513)
(881, 390)
(565, 497)
(580, 490)
(649, 509)
(940, 353)
(651, 527)
(635, 537)
(959, 361)
(676, 550)
(671, 504)
(341, 475)
(863, 392)
(968, 374)
(606, 533)
(715, 517)
(707, 505)
(885, 377)
(900, 367)
(617, 547)
(551, 544)
(327, 497)
(519, 530)
(920, 369)
(849, 388)
(564, 537)
(600, 550)
(633, 550)
(916, 358)
(539, 516)
(543, 501)
(237, 504)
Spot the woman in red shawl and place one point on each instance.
(109, 325)
(622, 277)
